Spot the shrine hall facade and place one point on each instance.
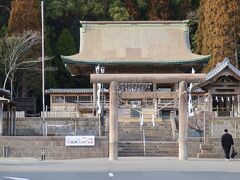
(153, 47)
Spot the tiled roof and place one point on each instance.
(69, 91)
(143, 42)
(198, 90)
(4, 92)
(219, 67)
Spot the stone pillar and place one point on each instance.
(238, 100)
(113, 122)
(8, 120)
(183, 124)
(210, 101)
(94, 97)
(1, 118)
(173, 123)
(14, 121)
(154, 87)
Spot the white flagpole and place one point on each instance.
(43, 77)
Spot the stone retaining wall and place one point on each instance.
(217, 147)
(193, 146)
(32, 126)
(30, 146)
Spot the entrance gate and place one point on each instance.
(114, 79)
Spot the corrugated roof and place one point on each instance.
(219, 67)
(143, 42)
(69, 91)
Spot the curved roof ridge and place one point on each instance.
(136, 22)
(220, 66)
(134, 44)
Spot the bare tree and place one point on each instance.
(197, 122)
(14, 54)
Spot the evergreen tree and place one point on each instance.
(132, 8)
(3, 31)
(66, 43)
(4, 12)
(25, 15)
(65, 46)
(118, 12)
(217, 31)
(159, 9)
(142, 6)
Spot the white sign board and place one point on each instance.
(79, 140)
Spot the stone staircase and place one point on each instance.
(152, 148)
(131, 131)
(214, 149)
(158, 139)
(207, 151)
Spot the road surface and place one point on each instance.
(124, 169)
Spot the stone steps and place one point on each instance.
(154, 148)
(208, 155)
(214, 149)
(158, 139)
(131, 131)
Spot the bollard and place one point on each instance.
(42, 154)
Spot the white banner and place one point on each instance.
(141, 119)
(190, 104)
(153, 118)
(79, 140)
(98, 98)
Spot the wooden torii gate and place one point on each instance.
(114, 79)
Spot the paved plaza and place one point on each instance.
(124, 168)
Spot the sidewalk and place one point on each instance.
(135, 164)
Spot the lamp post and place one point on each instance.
(100, 70)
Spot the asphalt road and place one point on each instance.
(124, 169)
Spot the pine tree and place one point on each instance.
(25, 15)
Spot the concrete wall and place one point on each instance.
(193, 146)
(32, 126)
(217, 125)
(30, 146)
(26, 146)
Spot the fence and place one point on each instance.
(48, 114)
(61, 129)
(19, 114)
(60, 114)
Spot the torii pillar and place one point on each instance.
(183, 124)
(113, 122)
